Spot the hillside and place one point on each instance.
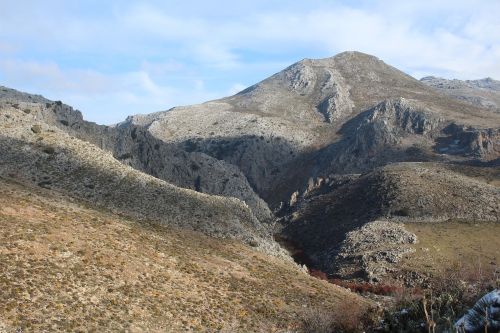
(35, 152)
(67, 266)
(191, 218)
(276, 130)
(321, 221)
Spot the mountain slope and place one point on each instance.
(331, 145)
(484, 93)
(135, 147)
(35, 152)
(67, 266)
(305, 112)
(322, 218)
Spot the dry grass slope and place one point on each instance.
(69, 267)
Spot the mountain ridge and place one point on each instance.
(344, 164)
(346, 114)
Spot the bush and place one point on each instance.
(317, 321)
(49, 150)
(318, 274)
(451, 294)
(346, 318)
(365, 287)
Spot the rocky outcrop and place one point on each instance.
(390, 121)
(320, 221)
(372, 250)
(462, 140)
(135, 146)
(300, 77)
(389, 132)
(335, 103)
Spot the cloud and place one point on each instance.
(100, 95)
(161, 55)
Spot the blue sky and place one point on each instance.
(111, 59)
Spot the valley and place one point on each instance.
(190, 219)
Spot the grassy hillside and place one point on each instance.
(69, 267)
(443, 246)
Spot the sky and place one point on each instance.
(111, 59)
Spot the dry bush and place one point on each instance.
(365, 287)
(317, 321)
(452, 292)
(348, 317)
(318, 274)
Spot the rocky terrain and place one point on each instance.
(347, 161)
(136, 147)
(334, 110)
(484, 93)
(36, 152)
(322, 218)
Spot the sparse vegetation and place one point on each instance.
(449, 295)
(102, 272)
(371, 170)
(347, 318)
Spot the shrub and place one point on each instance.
(317, 321)
(452, 292)
(365, 287)
(49, 150)
(346, 318)
(318, 274)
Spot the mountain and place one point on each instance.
(89, 238)
(344, 164)
(348, 115)
(484, 93)
(277, 130)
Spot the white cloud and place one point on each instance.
(161, 55)
(100, 95)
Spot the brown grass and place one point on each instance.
(69, 267)
(443, 246)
